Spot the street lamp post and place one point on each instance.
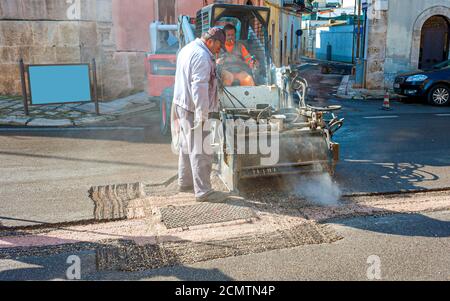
(358, 39)
(353, 35)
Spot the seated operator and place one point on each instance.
(236, 63)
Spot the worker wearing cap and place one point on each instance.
(195, 96)
(236, 62)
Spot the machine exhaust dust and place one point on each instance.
(319, 189)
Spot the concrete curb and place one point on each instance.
(65, 122)
(47, 122)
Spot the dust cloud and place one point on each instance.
(319, 189)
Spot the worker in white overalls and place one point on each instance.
(195, 96)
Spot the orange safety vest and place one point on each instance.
(236, 54)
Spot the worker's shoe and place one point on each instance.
(186, 189)
(213, 197)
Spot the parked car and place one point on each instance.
(432, 84)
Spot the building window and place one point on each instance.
(166, 11)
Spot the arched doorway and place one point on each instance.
(435, 42)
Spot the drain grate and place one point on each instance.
(202, 214)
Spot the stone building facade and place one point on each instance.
(284, 24)
(404, 35)
(114, 32)
(72, 31)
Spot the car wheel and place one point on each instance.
(165, 105)
(439, 95)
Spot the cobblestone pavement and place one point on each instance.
(59, 115)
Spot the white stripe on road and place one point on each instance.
(35, 129)
(381, 117)
(358, 161)
(443, 115)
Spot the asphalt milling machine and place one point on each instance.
(276, 105)
(304, 132)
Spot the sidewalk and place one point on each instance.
(322, 86)
(347, 91)
(79, 114)
(322, 76)
(329, 67)
(346, 88)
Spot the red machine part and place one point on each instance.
(160, 69)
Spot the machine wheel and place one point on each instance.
(330, 169)
(165, 105)
(439, 95)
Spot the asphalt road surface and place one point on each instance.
(407, 148)
(45, 174)
(398, 247)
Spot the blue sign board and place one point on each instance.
(51, 84)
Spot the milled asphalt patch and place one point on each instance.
(124, 255)
(297, 221)
(111, 202)
(14, 253)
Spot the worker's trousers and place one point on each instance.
(194, 166)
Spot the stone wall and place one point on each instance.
(132, 24)
(394, 37)
(404, 32)
(73, 31)
(376, 48)
(114, 32)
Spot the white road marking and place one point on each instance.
(381, 117)
(443, 115)
(358, 161)
(41, 129)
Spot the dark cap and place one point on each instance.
(216, 33)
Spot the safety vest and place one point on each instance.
(237, 58)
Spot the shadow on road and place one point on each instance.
(146, 134)
(122, 259)
(321, 201)
(72, 159)
(370, 176)
(138, 128)
(414, 225)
